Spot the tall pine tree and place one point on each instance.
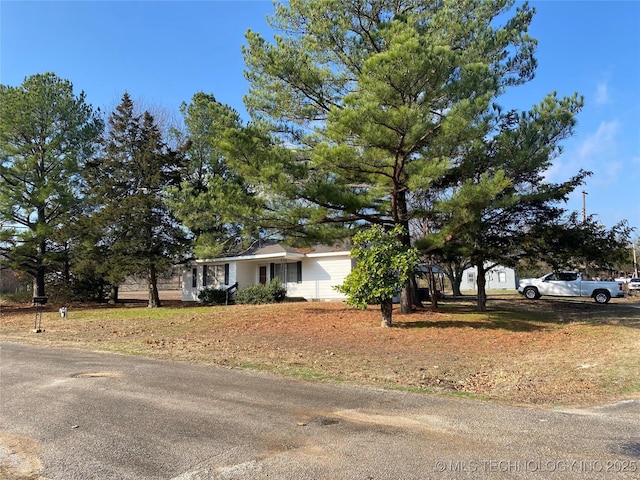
(46, 134)
(136, 231)
(371, 96)
(497, 191)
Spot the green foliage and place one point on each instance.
(378, 100)
(374, 100)
(46, 134)
(272, 292)
(77, 289)
(213, 296)
(130, 223)
(213, 201)
(23, 296)
(497, 188)
(572, 242)
(383, 266)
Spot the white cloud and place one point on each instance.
(602, 95)
(601, 143)
(596, 153)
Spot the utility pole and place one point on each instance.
(584, 221)
(635, 261)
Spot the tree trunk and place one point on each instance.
(152, 283)
(481, 281)
(455, 286)
(67, 264)
(415, 292)
(38, 281)
(400, 217)
(39, 270)
(406, 298)
(454, 271)
(387, 312)
(39, 273)
(113, 295)
(433, 293)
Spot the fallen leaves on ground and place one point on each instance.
(545, 352)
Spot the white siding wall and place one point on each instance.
(246, 273)
(189, 294)
(498, 278)
(233, 273)
(319, 276)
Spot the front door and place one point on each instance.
(263, 275)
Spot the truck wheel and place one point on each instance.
(531, 293)
(601, 296)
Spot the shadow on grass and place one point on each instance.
(509, 312)
(489, 324)
(518, 314)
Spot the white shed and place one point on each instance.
(498, 278)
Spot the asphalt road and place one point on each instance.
(72, 414)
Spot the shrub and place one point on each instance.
(213, 296)
(23, 296)
(272, 292)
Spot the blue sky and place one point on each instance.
(162, 52)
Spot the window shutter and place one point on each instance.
(226, 274)
(205, 273)
(194, 277)
(299, 272)
(272, 273)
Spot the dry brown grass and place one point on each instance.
(546, 352)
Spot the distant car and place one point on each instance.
(569, 284)
(634, 285)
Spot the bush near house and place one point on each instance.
(213, 296)
(272, 292)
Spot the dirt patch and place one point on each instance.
(19, 458)
(545, 352)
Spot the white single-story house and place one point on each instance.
(309, 273)
(498, 278)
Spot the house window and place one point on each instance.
(471, 278)
(215, 275)
(220, 273)
(298, 272)
(291, 272)
(194, 277)
(502, 277)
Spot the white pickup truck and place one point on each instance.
(569, 284)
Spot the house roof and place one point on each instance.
(271, 249)
(274, 250)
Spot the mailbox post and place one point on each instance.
(38, 302)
